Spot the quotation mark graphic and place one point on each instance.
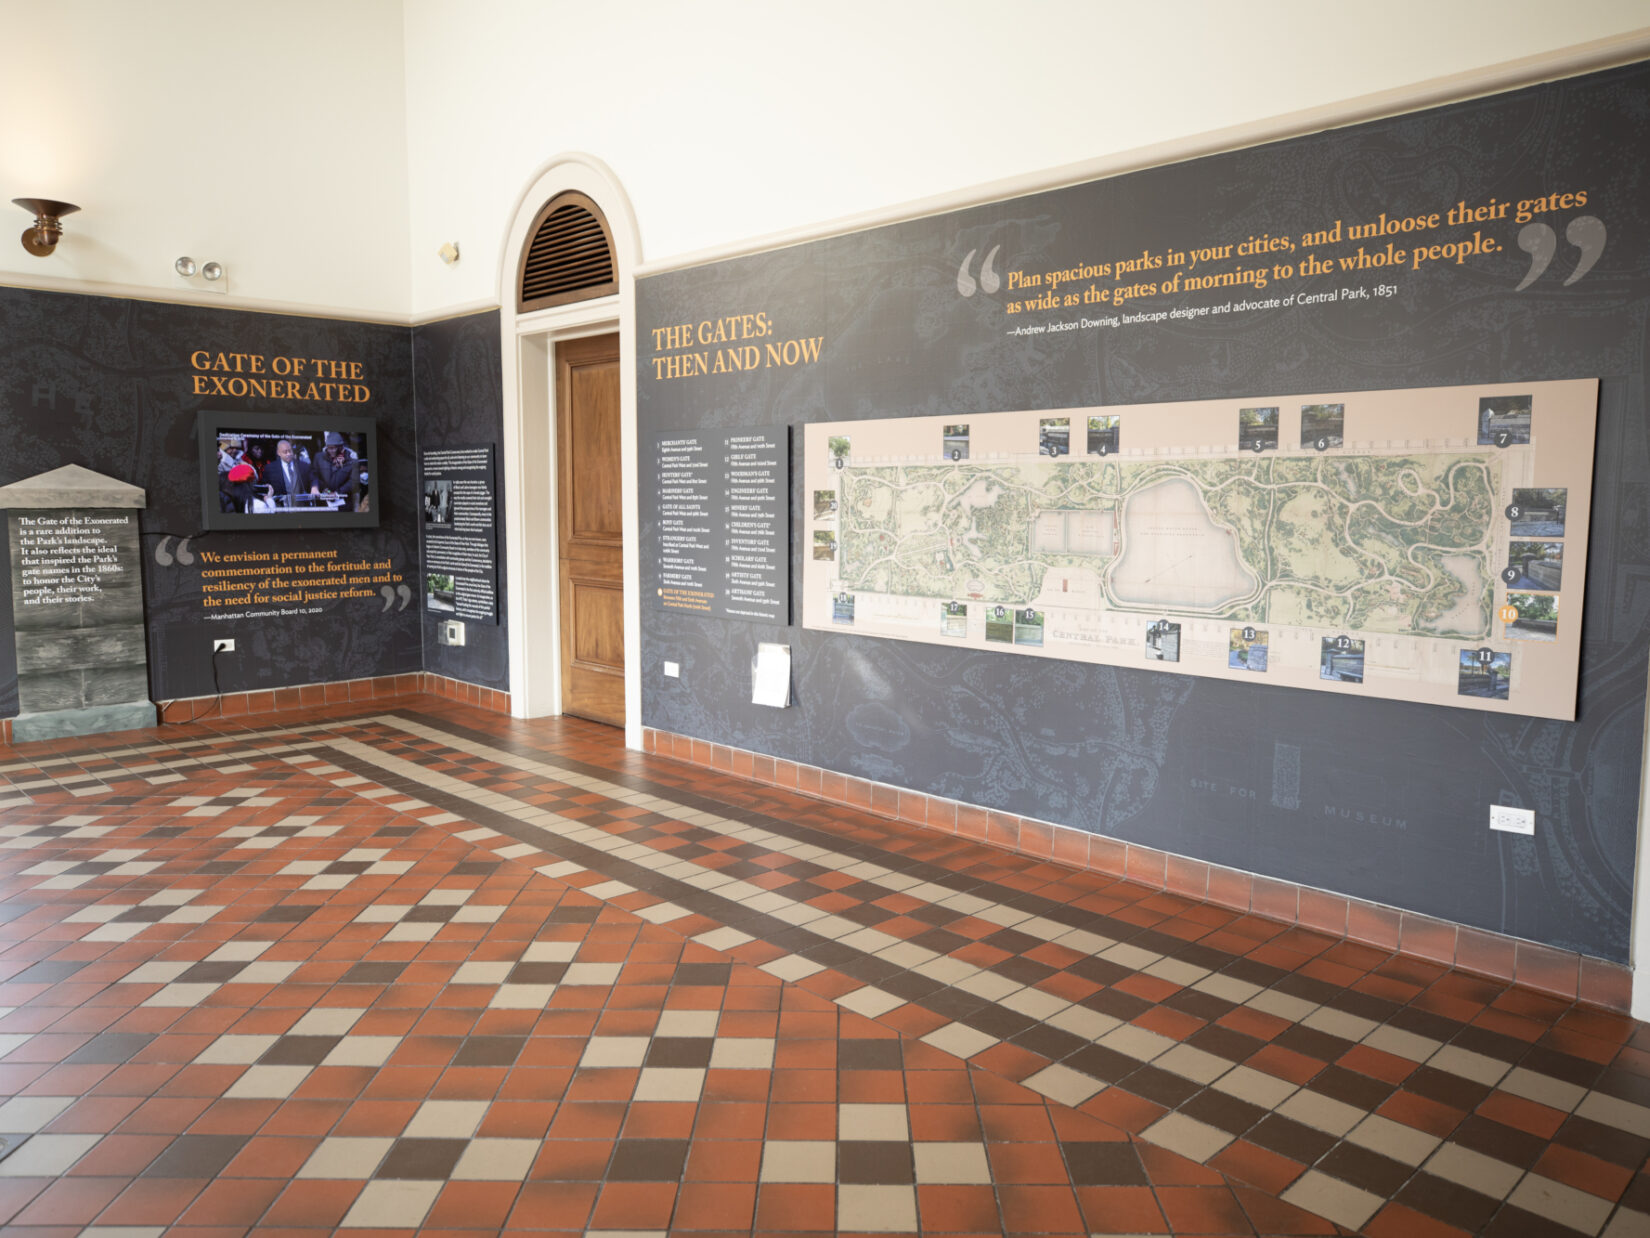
(390, 592)
(1586, 232)
(988, 282)
(166, 558)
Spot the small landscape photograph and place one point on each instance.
(999, 624)
(842, 608)
(1341, 660)
(1535, 565)
(1538, 512)
(954, 619)
(956, 442)
(1257, 429)
(1323, 426)
(1054, 436)
(1531, 616)
(824, 504)
(1485, 673)
(1103, 436)
(824, 545)
(1247, 649)
(1028, 627)
(1163, 642)
(1504, 420)
(440, 593)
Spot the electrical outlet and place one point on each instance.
(1512, 820)
(224, 645)
(450, 632)
(673, 670)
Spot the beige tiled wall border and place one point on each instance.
(1562, 973)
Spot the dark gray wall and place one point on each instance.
(106, 383)
(458, 388)
(1382, 800)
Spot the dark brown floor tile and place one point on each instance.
(109, 1047)
(195, 1156)
(881, 1054)
(648, 1160)
(422, 1159)
(373, 973)
(1104, 1164)
(298, 1050)
(1449, 1203)
(489, 1050)
(874, 1162)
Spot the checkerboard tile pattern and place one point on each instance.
(492, 975)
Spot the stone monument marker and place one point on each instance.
(77, 604)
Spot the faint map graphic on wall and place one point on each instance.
(1370, 536)
(1400, 544)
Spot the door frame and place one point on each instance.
(528, 468)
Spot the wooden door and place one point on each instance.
(591, 539)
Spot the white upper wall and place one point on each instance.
(323, 149)
(729, 119)
(270, 136)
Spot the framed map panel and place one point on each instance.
(1422, 544)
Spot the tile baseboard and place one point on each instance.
(1561, 973)
(303, 696)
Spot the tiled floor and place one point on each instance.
(426, 968)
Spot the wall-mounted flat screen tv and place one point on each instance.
(286, 471)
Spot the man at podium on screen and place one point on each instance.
(287, 475)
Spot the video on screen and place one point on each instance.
(285, 472)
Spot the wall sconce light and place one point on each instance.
(448, 252)
(42, 238)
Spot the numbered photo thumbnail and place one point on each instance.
(824, 504)
(999, 624)
(842, 608)
(1485, 673)
(1530, 616)
(1504, 420)
(1247, 650)
(824, 545)
(956, 442)
(838, 445)
(1342, 660)
(1257, 429)
(953, 618)
(1028, 627)
(1103, 436)
(1538, 512)
(1535, 565)
(1054, 436)
(1323, 426)
(1163, 642)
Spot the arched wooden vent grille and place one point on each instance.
(570, 256)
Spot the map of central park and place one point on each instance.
(1381, 543)
(1424, 544)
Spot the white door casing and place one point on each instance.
(527, 468)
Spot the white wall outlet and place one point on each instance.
(1512, 820)
(450, 632)
(224, 644)
(673, 670)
